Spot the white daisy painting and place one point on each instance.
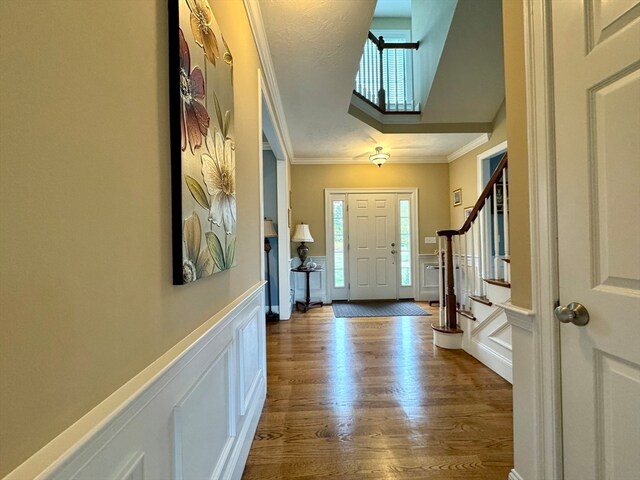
(203, 146)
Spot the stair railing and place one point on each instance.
(381, 79)
(476, 253)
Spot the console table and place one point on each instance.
(307, 304)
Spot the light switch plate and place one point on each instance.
(429, 239)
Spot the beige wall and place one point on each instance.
(308, 183)
(463, 172)
(513, 28)
(85, 234)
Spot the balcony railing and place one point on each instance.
(384, 78)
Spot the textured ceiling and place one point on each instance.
(316, 47)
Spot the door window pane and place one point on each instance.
(338, 243)
(405, 243)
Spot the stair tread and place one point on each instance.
(498, 281)
(506, 259)
(466, 313)
(483, 300)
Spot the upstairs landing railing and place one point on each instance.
(383, 79)
(476, 254)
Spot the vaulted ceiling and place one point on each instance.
(316, 47)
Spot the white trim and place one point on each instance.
(518, 316)
(500, 148)
(365, 160)
(543, 227)
(513, 475)
(274, 100)
(491, 358)
(481, 140)
(328, 231)
(260, 240)
(450, 341)
(148, 399)
(284, 244)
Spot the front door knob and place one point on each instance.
(573, 313)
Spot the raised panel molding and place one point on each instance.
(189, 395)
(204, 422)
(429, 277)
(250, 350)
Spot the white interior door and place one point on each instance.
(597, 118)
(372, 246)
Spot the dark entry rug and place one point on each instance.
(377, 309)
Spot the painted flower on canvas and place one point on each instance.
(197, 263)
(219, 173)
(201, 18)
(207, 193)
(194, 118)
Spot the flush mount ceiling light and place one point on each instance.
(379, 158)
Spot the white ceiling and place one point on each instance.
(316, 47)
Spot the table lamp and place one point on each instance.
(303, 235)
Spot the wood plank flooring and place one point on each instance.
(372, 398)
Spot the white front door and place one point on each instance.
(597, 119)
(372, 246)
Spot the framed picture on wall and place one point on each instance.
(457, 197)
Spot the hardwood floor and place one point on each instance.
(372, 398)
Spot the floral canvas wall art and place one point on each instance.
(202, 143)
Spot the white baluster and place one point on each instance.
(480, 252)
(505, 224)
(474, 263)
(465, 262)
(486, 260)
(496, 232)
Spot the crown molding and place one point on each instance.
(274, 102)
(481, 140)
(365, 160)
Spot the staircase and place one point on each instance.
(475, 280)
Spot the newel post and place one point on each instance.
(449, 335)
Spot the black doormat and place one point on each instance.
(377, 309)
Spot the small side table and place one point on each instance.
(307, 304)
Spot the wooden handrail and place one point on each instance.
(382, 44)
(486, 193)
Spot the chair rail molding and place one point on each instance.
(192, 413)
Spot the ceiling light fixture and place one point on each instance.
(379, 158)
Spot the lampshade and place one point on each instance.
(379, 158)
(269, 230)
(302, 234)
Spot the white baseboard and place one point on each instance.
(190, 414)
(513, 475)
(492, 359)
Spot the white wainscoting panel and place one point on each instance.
(317, 281)
(191, 415)
(429, 277)
(204, 422)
